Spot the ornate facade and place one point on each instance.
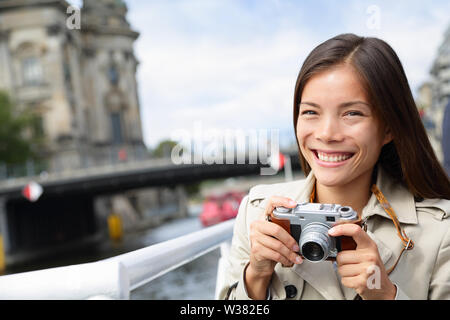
(81, 83)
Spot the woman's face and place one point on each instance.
(338, 132)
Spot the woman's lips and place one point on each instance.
(331, 159)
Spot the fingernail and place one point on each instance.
(298, 260)
(295, 248)
(292, 202)
(332, 231)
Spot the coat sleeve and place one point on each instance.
(238, 257)
(440, 279)
(233, 287)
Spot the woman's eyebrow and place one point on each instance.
(342, 105)
(312, 104)
(350, 103)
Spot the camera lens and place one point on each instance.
(315, 243)
(312, 251)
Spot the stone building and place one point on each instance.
(81, 83)
(433, 96)
(441, 99)
(440, 84)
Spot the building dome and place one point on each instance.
(106, 16)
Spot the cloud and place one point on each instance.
(233, 64)
(225, 83)
(415, 32)
(239, 86)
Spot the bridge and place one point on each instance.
(132, 175)
(65, 212)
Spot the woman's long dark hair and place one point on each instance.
(409, 157)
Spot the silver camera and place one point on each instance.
(309, 223)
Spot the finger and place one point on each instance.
(349, 270)
(361, 238)
(277, 201)
(350, 282)
(348, 257)
(262, 252)
(278, 246)
(274, 230)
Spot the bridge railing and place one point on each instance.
(83, 172)
(115, 277)
(106, 156)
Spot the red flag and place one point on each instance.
(281, 165)
(277, 161)
(32, 191)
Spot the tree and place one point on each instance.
(15, 146)
(164, 149)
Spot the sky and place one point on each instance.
(232, 64)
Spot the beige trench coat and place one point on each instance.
(421, 273)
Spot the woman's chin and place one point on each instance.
(328, 180)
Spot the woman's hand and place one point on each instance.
(362, 269)
(269, 244)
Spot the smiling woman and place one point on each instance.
(378, 77)
(362, 145)
(340, 135)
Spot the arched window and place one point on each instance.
(29, 59)
(32, 71)
(113, 75)
(116, 127)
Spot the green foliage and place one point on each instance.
(164, 149)
(15, 146)
(193, 189)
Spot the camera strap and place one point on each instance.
(408, 244)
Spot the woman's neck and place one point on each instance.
(355, 194)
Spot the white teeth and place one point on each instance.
(339, 158)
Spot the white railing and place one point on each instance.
(115, 277)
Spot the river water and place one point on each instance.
(195, 280)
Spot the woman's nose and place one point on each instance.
(328, 130)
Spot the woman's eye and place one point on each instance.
(353, 113)
(308, 112)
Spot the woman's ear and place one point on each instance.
(388, 137)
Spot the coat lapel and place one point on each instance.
(322, 277)
(400, 199)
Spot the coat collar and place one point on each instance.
(399, 197)
(401, 200)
